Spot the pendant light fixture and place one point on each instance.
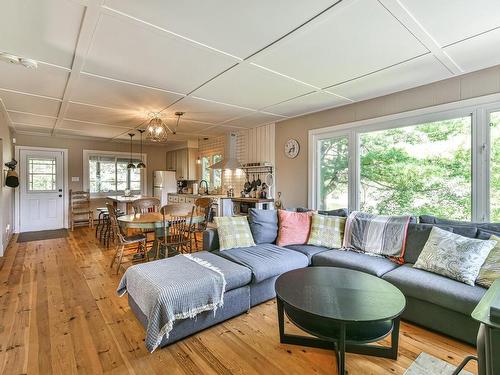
(131, 165)
(141, 165)
(157, 130)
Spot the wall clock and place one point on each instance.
(292, 148)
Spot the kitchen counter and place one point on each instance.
(200, 195)
(252, 200)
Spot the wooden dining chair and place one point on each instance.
(177, 227)
(122, 240)
(145, 205)
(80, 209)
(203, 208)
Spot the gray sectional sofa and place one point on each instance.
(433, 301)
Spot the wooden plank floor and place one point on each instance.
(60, 315)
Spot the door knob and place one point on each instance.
(60, 195)
(60, 190)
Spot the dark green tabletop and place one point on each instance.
(340, 294)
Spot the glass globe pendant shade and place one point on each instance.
(156, 130)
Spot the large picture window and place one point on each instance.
(333, 168)
(421, 169)
(495, 167)
(108, 173)
(430, 163)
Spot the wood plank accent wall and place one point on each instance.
(257, 144)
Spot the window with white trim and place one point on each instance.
(495, 166)
(107, 172)
(212, 176)
(432, 163)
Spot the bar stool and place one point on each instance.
(103, 211)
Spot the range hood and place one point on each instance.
(230, 160)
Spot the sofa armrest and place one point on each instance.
(210, 240)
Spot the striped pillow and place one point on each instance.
(327, 231)
(490, 270)
(233, 232)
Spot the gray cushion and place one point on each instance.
(342, 212)
(266, 260)
(436, 289)
(264, 225)
(235, 274)
(307, 250)
(465, 230)
(355, 261)
(416, 238)
(429, 219)
(486, 234)
(210, 239)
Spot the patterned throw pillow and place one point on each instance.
(327, 231)
(233, 232)
(490, 271)
(454, 256)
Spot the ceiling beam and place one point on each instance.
(404, 16)
(85, 37)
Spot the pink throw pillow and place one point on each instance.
(294, 227)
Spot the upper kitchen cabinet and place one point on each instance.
(183, 161)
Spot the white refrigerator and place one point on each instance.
(164, 182)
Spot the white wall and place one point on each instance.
(6, 193)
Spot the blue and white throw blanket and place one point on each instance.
(376, 234)
(170, 289)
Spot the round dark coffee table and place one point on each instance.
(345, 309)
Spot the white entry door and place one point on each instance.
(41, 200)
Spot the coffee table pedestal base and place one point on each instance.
(340, 344)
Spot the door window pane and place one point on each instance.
(421, 169)
(333, 173)
(42, 174)
(495, 167)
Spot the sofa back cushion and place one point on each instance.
(233, 231)
(294, 227)
(417, 236)
(454, 256)
(264, 225)
(490, 270)
(377, 234)
(429, 219)
(327, 231)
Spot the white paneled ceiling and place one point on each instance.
(46, 30)
(450, 21)
(312, 102)
(252, 87)
(132, 52)
(415, 72)
(237, 27)
(350, 40)
(105, 65)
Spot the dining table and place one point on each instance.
(154, 222)
(126, 200)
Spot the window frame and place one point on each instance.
(211, 161)
(124, 155)
(478, 108)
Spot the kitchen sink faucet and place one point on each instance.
(206, 186)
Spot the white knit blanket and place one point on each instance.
(170, 289)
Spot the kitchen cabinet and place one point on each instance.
(183, 161)
(171, 160)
